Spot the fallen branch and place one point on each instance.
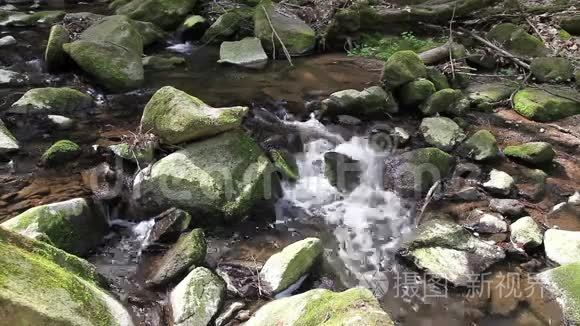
(427, 200)
(438, 54)
(451, 41)
(286, 53)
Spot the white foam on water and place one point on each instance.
(185, 48)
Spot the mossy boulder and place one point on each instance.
(288, 266)
(166, 14)
(515, 39)
(540, 105)
(8, 142)
(139, 154)
(42, 285)
(286, 164)
(176, 117)
(21, 19)
(438, 79)
(162, 63)
(448, 251)
(401, 68)
(561, 246)
(110, 50)
(74, 226)
(232, 25)
(372, 101)
(571, 24)
(150, 33)
(445, 100)
(51, 100)
(61, 152)
(198, 298)
(481, 146)
(441, 132)
(552, 69)
(247, 53)
(325, 308)
(416, 92)
(187, 253)
(220, 177)
(299, 38)
(564, 284)
(486, 96)
(538, 153)
(54, 55)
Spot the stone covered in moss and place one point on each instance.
(188, 252)
(438, 79)
(571, 24)
(74, 225)
(342, 171)
(539, 105)
(403, 67)
(486, 96)
(21, 19)
(445, 100)
(232, 25)
(164, 13)
(61, 152)
(517, 40)
(298, 37)
(533, 153)
(246, 53)
(198, 298)
(177, 117)
(51, 100)
(441, 132)
(369, 102)
(54, 55)
(8, 142)
(564, 283)
(481, 146)
(355, 306)
(552, 69)
(220, 177)
(288, 266)
(142, 154)
(286, 164)
(526, 233)
(150, 33)
(155, 62)
(42, 285)
(416, 91)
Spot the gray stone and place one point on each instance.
(481, 146)
(561, 246)
(509, 207)
(7, 41)
(51, 100)
(370, 101)
(483, 222)
(526, 233)
(499, 182)
(342, 171)
(246, 53)
(441, 132)
(564, 284)
(8, 142)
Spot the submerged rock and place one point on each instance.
(166, 14)
(169, 225)
(288, 266)
(342, 171)
(537, 153)
(42, 285)
(518, 41)
(481, 146)
(446, 250)
(539, 105)
(403, 67)
(246, 53)
(445, 100)
(8, 142)
(562, 246)
(441, 132)
(499, 182)
(198, 298)
(372, 101)
(552, 69)
(162, 63)
(50, 100)
(356, 306)
(74, 226)
(564, 283)
(54, 55)
(234, 24)
(177, 117)
(61, 152)
(526, 233)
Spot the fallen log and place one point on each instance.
(441, 53)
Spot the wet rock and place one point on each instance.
(42, 285)
(51, 100)
(21, 19)
(198, 298)
(232, 25)
(150, 33)
(176, 117)
(348, 120)
(561, 246)
(416, 92)
(448, 251)
(7, 41)
(162, 63)
(166, 14)
(368, 102)
(438, 79)
(323, 307)
(517, 41)
(403, 67)
(74, 226)
(401, 135)
(499, 182)
(299, 38)
(169, 225)
(486, 96)
(193, 27)
(538, 105)
(445, 100)
(481, 146)
(54, 55)
(241, 278)
(246, 53)
(8, 142)
(11, 78)
(564, 283)
(441, 132)
(342, 171)
(552, 69)
(537, 153)
(60, 153)
(483, 222)
(285, 163)
(288, 266)
(525, 233)
(229, 313)
(222, 177)
(188, 252)
(509, 207)
(141, 154)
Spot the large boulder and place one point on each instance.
(54, 55)
(223, 176)
(197, 299)
(448, 251)
(552, 69)
(481, 146)
(401, 68)
(42, 285)
(232, 25)
(562, 246)
(51, 100)
(441, 132)
(74, 225)
(288, 266)
(298, 37)
(8, 142)
(564, 284)
(110, 50)
(321, 307)
(515, 39)
(539, 105)
(164, 13)
(537, 153)
(247, 53)
(176, 117)
(369, 102)
(60, 153)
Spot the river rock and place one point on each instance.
(176, 117)
(481, 146)
(441, 132)
(416, 92)
(166, 14)
(403, 67)
(483, 222)
(21, 19)
(246, 53)
(488, 95)
(155, 62)
(445, 100)
(526, 233)
(188, 252)
(286, 267)
(552, 69)
(50, 100)
(509, 207)
(371, 101)
(54, 55)
(110, 50)
(516, 40)
(232, 25)
(61, 152)
(446, 250)
(198, 298)
(74, 225)
(562, 246)
(564, 283)
(342, 171)
(7, 41)
(223, 176)
(499, 182)
(322, 307)
(299, 38)
(142, 154)
(169, 225)
(8, 142)
(61, 122)
(42, 285)
(538, 105)
(438, 79)
(11, 78)
(285, 164)
(537, 153)
(150, 33)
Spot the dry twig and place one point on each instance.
(278, 37)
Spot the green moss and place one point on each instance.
(438, 79)
(534, 153)
(563, 35)
(403, 67)
(162, 63)
(571, 24)
(166, 14)
(60, 152)
(539, 105)
(424, 158)
(234, 24)
(54, 55)
(515, 39)
(416, 91)
(552, 69)
(566, 282)
(285, 163)
(381, 47)
(50, 100)
(145, 154)
(444, 100)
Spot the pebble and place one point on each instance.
(499, 182)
